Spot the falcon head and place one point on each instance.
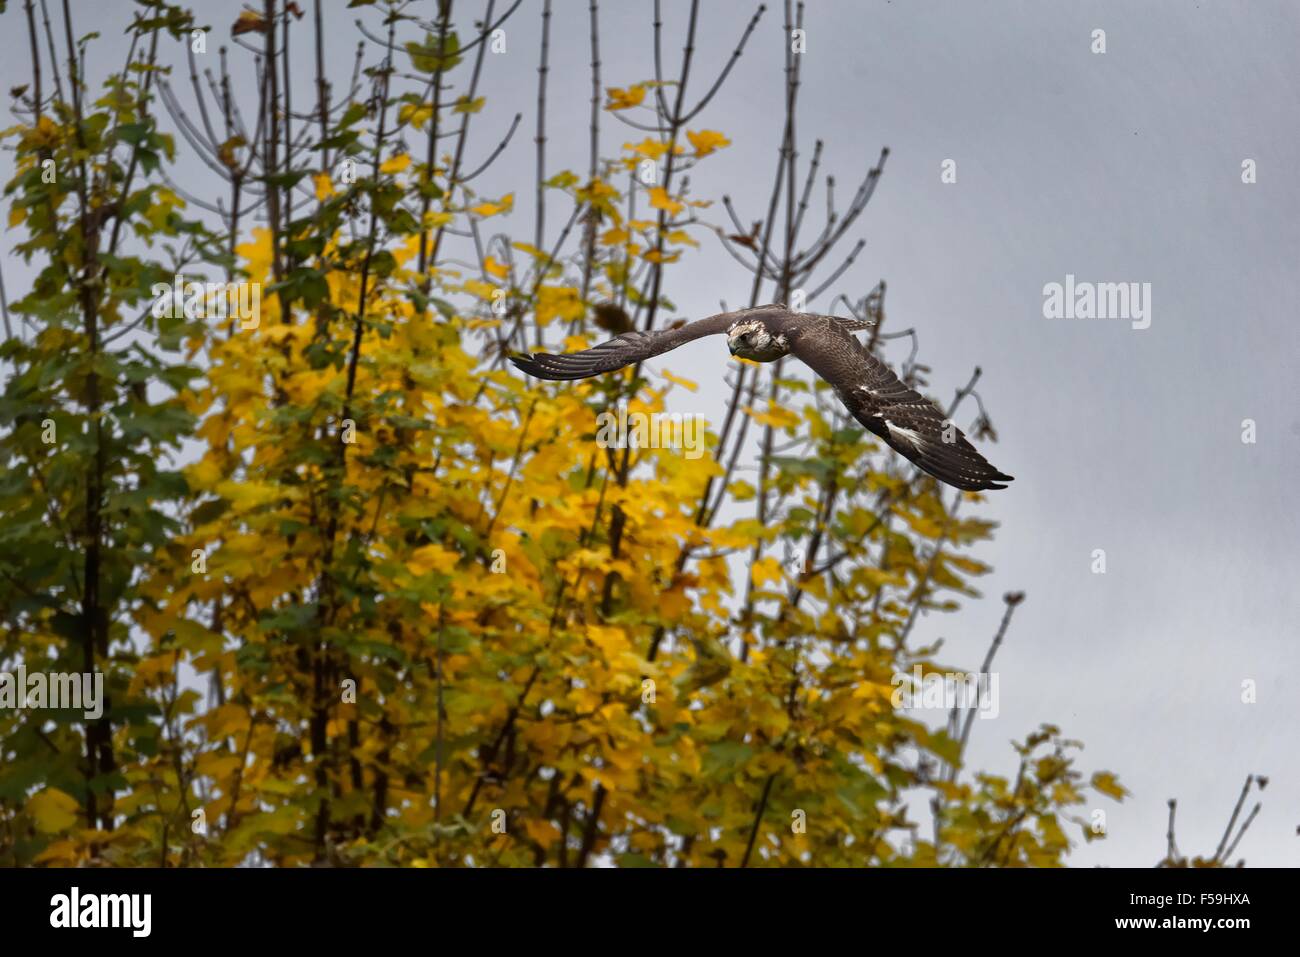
(751, 339)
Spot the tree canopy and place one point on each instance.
(361, 594)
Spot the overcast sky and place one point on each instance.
(1117, 167)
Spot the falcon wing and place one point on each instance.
(624, 350)
(909, 423)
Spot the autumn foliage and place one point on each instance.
(363, 595)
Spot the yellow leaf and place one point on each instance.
(484, 290)
(226, 720)
(655, 256)
(432, 558)
(660, 199)
(324, 187)
(248, 21)
(52, 810)
(204, 474)
(776, 417)
(706, 141)
(466, 105)
(673, 605)
(625, 759)
(543, 832)
(416, 114)
(620, 99)
(558, 302)
(61, 853)
(250, 495)
(968, 565)
(611, 641)
(651, 149)
(684, 383)
(1105, 782)
(395, 164)
(498, 269)
(741, 491)
(504, 205)
(257, 253)
(226, 151)
(765, 570)
(216, 764)
(531, 250)
(600, 196)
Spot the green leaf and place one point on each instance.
(726, 756)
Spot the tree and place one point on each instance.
(438, 623)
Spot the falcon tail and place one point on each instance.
(958, 464)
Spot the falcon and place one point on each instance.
(902, 418)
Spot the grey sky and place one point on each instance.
(1117, 167)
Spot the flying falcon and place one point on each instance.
(905, 420)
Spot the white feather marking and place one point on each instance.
(912, 437)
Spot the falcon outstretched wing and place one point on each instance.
(909, 423)
(624, 350)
